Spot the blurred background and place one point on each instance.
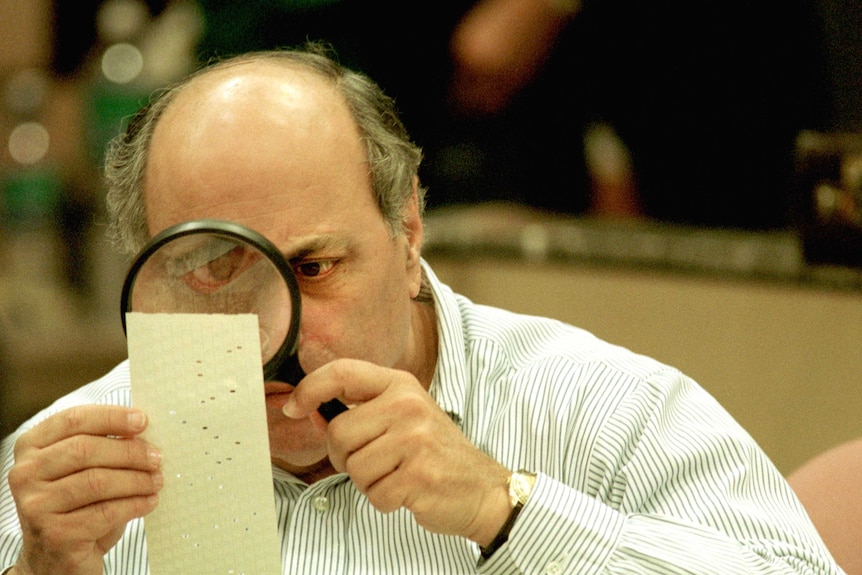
(681, 178)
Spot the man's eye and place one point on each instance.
(220, 271)
(314, 268)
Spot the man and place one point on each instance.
(476, 441)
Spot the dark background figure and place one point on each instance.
(708, 99)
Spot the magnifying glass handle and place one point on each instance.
(291, 372)
(331, 408)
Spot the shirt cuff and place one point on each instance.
(585, 531)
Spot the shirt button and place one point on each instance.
(320, 503)
(553, 568)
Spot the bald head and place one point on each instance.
(297, 92)
(260, 125)
(256, 95)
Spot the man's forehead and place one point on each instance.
(244, 136)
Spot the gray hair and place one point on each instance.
(393, 158)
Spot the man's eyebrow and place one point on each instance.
(306, 246)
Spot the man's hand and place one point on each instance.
(79, 477)
(401, 450)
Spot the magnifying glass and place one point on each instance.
(215, 266)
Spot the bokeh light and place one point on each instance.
(28, 143)
(122, 63)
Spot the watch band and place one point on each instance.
(503, 534)
(520, 486)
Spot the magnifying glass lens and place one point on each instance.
(212, 273)
(214, 266)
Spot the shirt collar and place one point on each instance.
(448, 386)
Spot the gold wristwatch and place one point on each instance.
(521, 485)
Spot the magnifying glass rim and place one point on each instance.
(235, 231)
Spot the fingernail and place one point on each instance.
(137, 420)
(289, 408)
(158, 479)
(155, 458)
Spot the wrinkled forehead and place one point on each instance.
(240, 140)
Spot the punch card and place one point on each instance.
(199, 379)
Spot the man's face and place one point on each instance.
(277, 151)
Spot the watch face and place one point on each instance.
(521, 487)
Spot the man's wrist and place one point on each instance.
(520, 487)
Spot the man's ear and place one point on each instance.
(413, 230)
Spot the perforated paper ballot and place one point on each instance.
(199, 379)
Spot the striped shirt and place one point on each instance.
(639, 469)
